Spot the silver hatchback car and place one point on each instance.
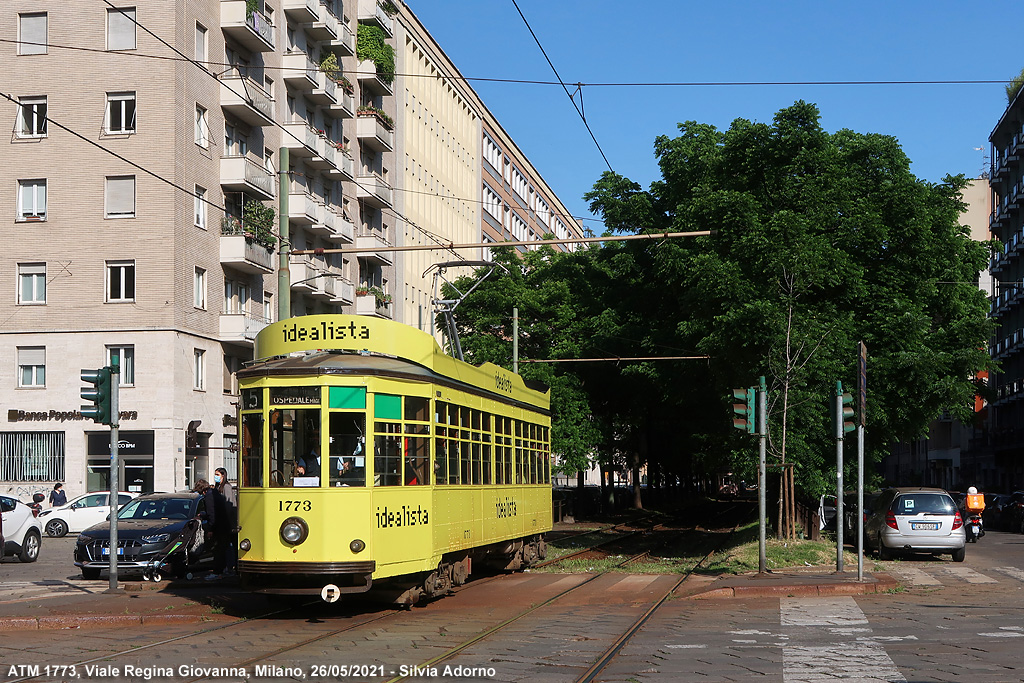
(916, 520)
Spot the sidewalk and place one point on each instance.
(790, 582)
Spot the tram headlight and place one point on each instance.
(294, 530)
(357, 546)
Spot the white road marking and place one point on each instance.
(915, 576)
(634, 582)
(821, 612)
(685, 647)
(861, 662)
(965, 574)
(1010, 571)
(1002, 634)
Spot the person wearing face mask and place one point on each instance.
(230, 550)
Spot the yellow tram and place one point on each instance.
(368, 457)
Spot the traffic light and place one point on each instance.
(99, 411)
(746, 411)
(848, 425)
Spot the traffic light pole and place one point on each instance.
(115, 413)
(762, 507)
(839, 476)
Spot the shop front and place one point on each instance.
(135, 452)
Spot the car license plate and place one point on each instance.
(916, 526)
(105, 552)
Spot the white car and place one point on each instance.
(80, 513)
(22, 532)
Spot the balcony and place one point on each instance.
(341, 165)
(368, 245)
(326, 90)
(302, 209)
(345, 105)
(242, 252)
(366, 72)
(241, 328)
(300, 139)
(346, 40)
(242, 174)
(301, 11)
(251, 29)
(325, 220)
(324, 27)
(306, 278)
(246, 100)
(372, 132)
(344, 291)
(299, 71)
(344, 231)
(374, 191)
(371, 12)
(367, 304)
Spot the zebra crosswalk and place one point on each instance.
(945, 574)
(17, 591)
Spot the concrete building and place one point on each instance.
(144, 177)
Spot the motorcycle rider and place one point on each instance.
(974, 505)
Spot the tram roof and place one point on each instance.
(354, 345)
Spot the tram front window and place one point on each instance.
(295, 447)
(347, 449)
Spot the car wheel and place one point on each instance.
(90, 574)
(57, 528)
(959, 554)
(30, 547)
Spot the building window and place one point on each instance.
(120, 112)
(126, 362)
(120, 196)
(236, 296)
(120, 281)
(236, 144)
(200, 207)
(202, 133)
(31, 366)
(31, 283)
(268, 307)
(121, 28)
(32, 117)
(199, 288)
(32, 200)
(199, 370)
(32, 33)
(200, 42)
(32, 456)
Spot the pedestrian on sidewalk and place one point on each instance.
(221, 483)
(215, 526)
(57, 496)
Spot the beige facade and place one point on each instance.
(128, 229)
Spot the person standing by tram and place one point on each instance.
(221, 484)
(215, 526)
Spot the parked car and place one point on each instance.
(22, 533)
(1012, 513)
(916, 520)
(850, 513)
(80, 513)
(992, 517)
(827, 512)
(145, 527)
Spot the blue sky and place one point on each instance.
(939, 126)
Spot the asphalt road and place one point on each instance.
(953, 622)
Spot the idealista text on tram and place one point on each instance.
(324, 331)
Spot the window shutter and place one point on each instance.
(32, 355)
(121, 196)
(121, 29)
(33, 30)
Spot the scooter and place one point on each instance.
(974, 528)
(37, 504)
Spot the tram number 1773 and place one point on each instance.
(290, 505)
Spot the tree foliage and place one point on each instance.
(820, 240)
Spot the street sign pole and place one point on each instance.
(762, 516)
(862, 381)
(839, 476)
(115, 412)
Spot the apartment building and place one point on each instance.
(1007, 225)
(154, 150)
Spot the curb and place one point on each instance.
(882, 583)
(119, 620)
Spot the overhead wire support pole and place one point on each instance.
(115, 415)
(762, 501)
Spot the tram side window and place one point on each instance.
(347, 444)
(417, 459)
(252, 450)
(295, 447)
(546, 447)
(387, 454)
(440, 443)
(519, 451)
(453, 444)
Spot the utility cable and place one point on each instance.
(562, 83)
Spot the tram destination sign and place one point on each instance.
(295, 396)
